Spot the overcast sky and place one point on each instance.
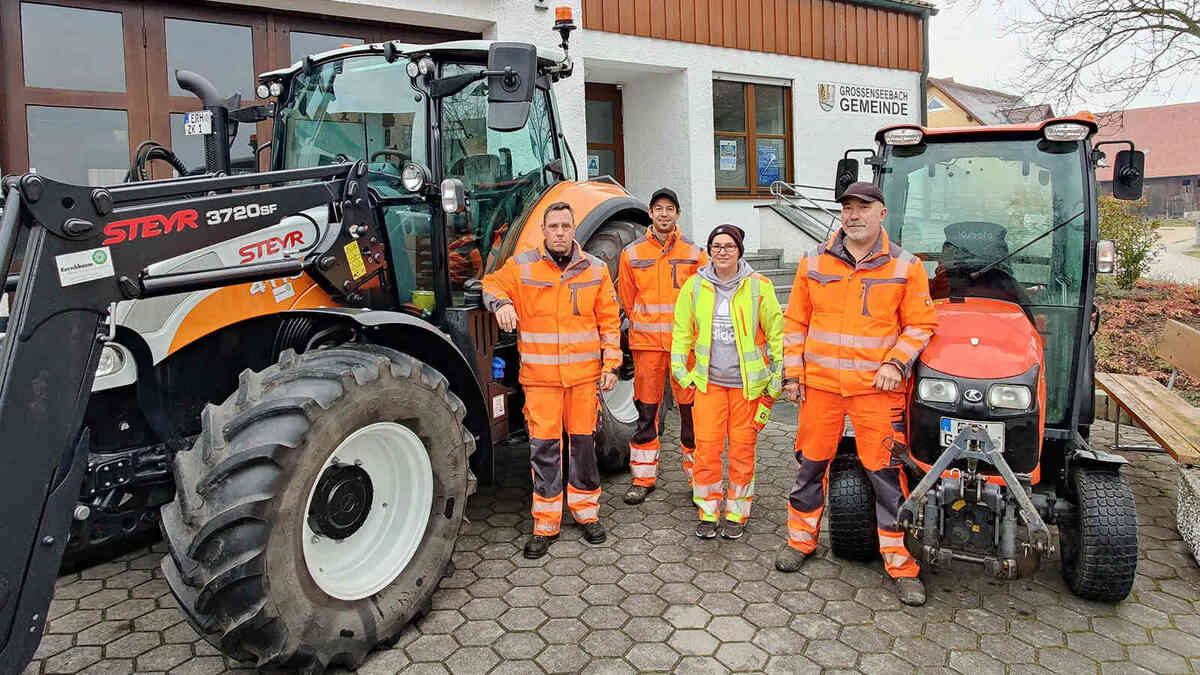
(967, 42)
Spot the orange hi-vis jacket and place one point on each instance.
(845, 320)
(568, 324)
(649, 277)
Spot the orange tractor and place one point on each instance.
(295, 365)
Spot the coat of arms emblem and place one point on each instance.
(825, 92)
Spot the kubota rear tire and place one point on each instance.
(618, 417)
(1099, 543)
(319, 508)
(852, 531)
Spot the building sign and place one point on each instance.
(593, 166)
(768, 164)
(863, 100)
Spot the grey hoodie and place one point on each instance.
(724, 366)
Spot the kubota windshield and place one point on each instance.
(962, 206)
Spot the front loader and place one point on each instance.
(303, 349)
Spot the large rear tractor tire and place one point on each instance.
(1100, 542)
(618, 417)
(852, 531)
(319, 508)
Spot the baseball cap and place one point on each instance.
(864, 191)
(665, 192)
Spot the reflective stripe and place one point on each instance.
(894, 560)
(794, 518)
(558, 359)
(849, 340)
(841, 364)
(665, 327)
(678, 359)
(639, 306)
(586, 515)
(919, 334)
(758, 375)
(612, 354)
(547, 506)
(891, 540)
(901, 269)
(643, 470)
(801, 536)
(579, 497)
(794, 339)
(703, 351)
(642, 456)
(909, 350)
(793, 361)
(545, 527)
(704, 491)
(534, 282)
(555, 338)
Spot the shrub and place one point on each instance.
(1136, 237)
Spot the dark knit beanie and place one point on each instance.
(733, 231)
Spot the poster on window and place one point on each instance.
(593, 166)
(728, 154)
(768, 164)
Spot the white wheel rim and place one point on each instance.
(365, 562)
(619, 402)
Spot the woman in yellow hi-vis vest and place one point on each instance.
(730, 316)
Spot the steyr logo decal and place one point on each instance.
(973, 395)
(147, 227)
(259, 249)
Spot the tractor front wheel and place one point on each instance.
(319, 508)
(1099, 541)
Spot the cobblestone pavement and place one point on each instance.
(654, 597)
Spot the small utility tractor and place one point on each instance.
(299, 356)
(1001, 401)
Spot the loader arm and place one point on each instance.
(85, 248)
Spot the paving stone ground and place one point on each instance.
(654, 597)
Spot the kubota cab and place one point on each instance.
(1001, 401)
(298, 356)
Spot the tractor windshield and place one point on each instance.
(504, 172)
(1000, 219)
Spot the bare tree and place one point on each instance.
(1110, 48)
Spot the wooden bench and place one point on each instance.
(1161, 412)
(1170, 420)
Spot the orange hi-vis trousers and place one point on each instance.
(650, 369)
(547, 411)
(878, 421)
(724, 413)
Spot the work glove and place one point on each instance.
(762, 412)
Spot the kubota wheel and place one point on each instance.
(319, 508)
(852, 531)
(1100, 542)
(618, 417)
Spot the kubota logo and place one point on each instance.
(147, 227)
(289, 241)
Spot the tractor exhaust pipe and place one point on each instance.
(217, 142)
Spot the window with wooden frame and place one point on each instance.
(752, 144)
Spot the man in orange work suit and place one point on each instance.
(563, 302)
(858, 316)
(652, 269)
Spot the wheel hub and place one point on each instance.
(341, 502)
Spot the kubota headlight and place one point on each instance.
(936, 390)
(1011, 396)
(111, 361)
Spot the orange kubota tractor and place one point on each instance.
(295, 364)
(1001, 401)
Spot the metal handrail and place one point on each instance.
(799, 201)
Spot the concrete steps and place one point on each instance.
(769, 263)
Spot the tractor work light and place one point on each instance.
(111, 361)
(1066, 131)
(454, 198)
(262, 91)
(1010, 396)
(905, 136)
(276, 88)
(1106, 256)
(937, 390)
(414, 177)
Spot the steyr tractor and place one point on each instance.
(295, 364)
(1001, 401)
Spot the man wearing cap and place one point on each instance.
(858, 316)
(650, 273)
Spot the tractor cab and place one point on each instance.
(1000, 403)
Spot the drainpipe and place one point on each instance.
(925, 67)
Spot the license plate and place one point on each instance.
(951, 427)
(197, 123)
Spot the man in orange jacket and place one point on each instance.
(652, 269)
(858, 316)
(562, 300)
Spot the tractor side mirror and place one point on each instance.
(847, 173)
(1129, 172)
(510, 91)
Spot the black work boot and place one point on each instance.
(789, 559)
(638, 493)
(594, 532)
(911, 591)
(538, 544)
(707, 529)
